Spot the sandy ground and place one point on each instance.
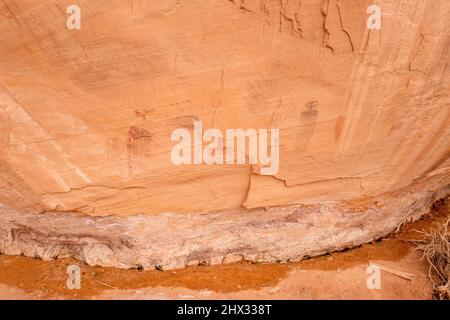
(340, 275)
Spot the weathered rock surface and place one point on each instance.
(172, 240)
(86, 118)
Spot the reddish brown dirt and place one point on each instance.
(339, 275)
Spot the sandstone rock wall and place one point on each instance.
(86, 116)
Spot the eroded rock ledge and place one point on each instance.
(169, 241)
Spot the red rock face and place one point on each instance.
(86, 115)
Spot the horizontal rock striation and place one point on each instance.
(170, 241)
(359, 105)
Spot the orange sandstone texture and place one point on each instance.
(86, 118)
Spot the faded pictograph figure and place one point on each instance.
(134, 148)
(297, 124)
(138, 147)
(307, 125)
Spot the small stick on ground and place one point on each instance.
(106, 285)
(401, 274)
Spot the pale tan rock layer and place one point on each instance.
(86, 117)
(169, 241)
